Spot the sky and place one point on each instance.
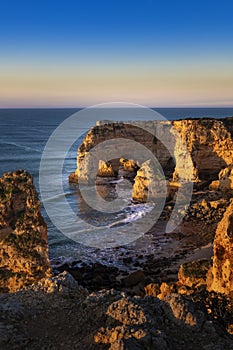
(77, 53)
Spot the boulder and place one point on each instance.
(193, 274)
(226, 181)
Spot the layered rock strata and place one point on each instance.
(137, 132)
(207, 141)
(23, 233)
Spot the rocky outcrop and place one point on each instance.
(208, 141)
(107, 169)
(193, 274)
(170, 315)
(220, 276)
(128, 168)
(58, 314)
(23, 233)
(224, 182)
(148, 184)
(136, 131)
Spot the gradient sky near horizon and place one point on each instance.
(79, 53)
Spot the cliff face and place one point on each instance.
(220, 276)
(208, 141)
(23, 233)
(103, 132)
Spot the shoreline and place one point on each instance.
(164, 301)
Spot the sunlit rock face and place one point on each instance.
(208, 141)
(193, 274)
(107, 169)
(220, 276)
(148, 184)
(226, 181)
(143, 133)
(23, 233)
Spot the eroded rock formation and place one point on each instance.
(193, 274)
(23, 233)
(140, 132)
(148, 183)
(207, 141)
(220, 276)
(224, 182)
(170, 316)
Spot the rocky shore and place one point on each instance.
(193, 312)
(176, 299)
(57, 312)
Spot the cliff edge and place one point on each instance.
(208, 141)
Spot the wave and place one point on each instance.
(135, 213)
(66, 193)
(18, 145)
(58, 196)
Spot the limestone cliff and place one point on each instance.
(220, 276)
(209, 142)
(23, 233)
(86, 170)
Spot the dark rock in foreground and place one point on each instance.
(54, 313)
(57, 313)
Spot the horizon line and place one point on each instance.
(151, 107)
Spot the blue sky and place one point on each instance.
(160, 53)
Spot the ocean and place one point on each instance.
(24, 133)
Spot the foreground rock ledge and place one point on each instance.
(57, 313)
(23, 233)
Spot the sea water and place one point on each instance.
(24, 133)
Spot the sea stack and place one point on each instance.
(23, 233)
(207, 141)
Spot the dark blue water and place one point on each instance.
(24, 133)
